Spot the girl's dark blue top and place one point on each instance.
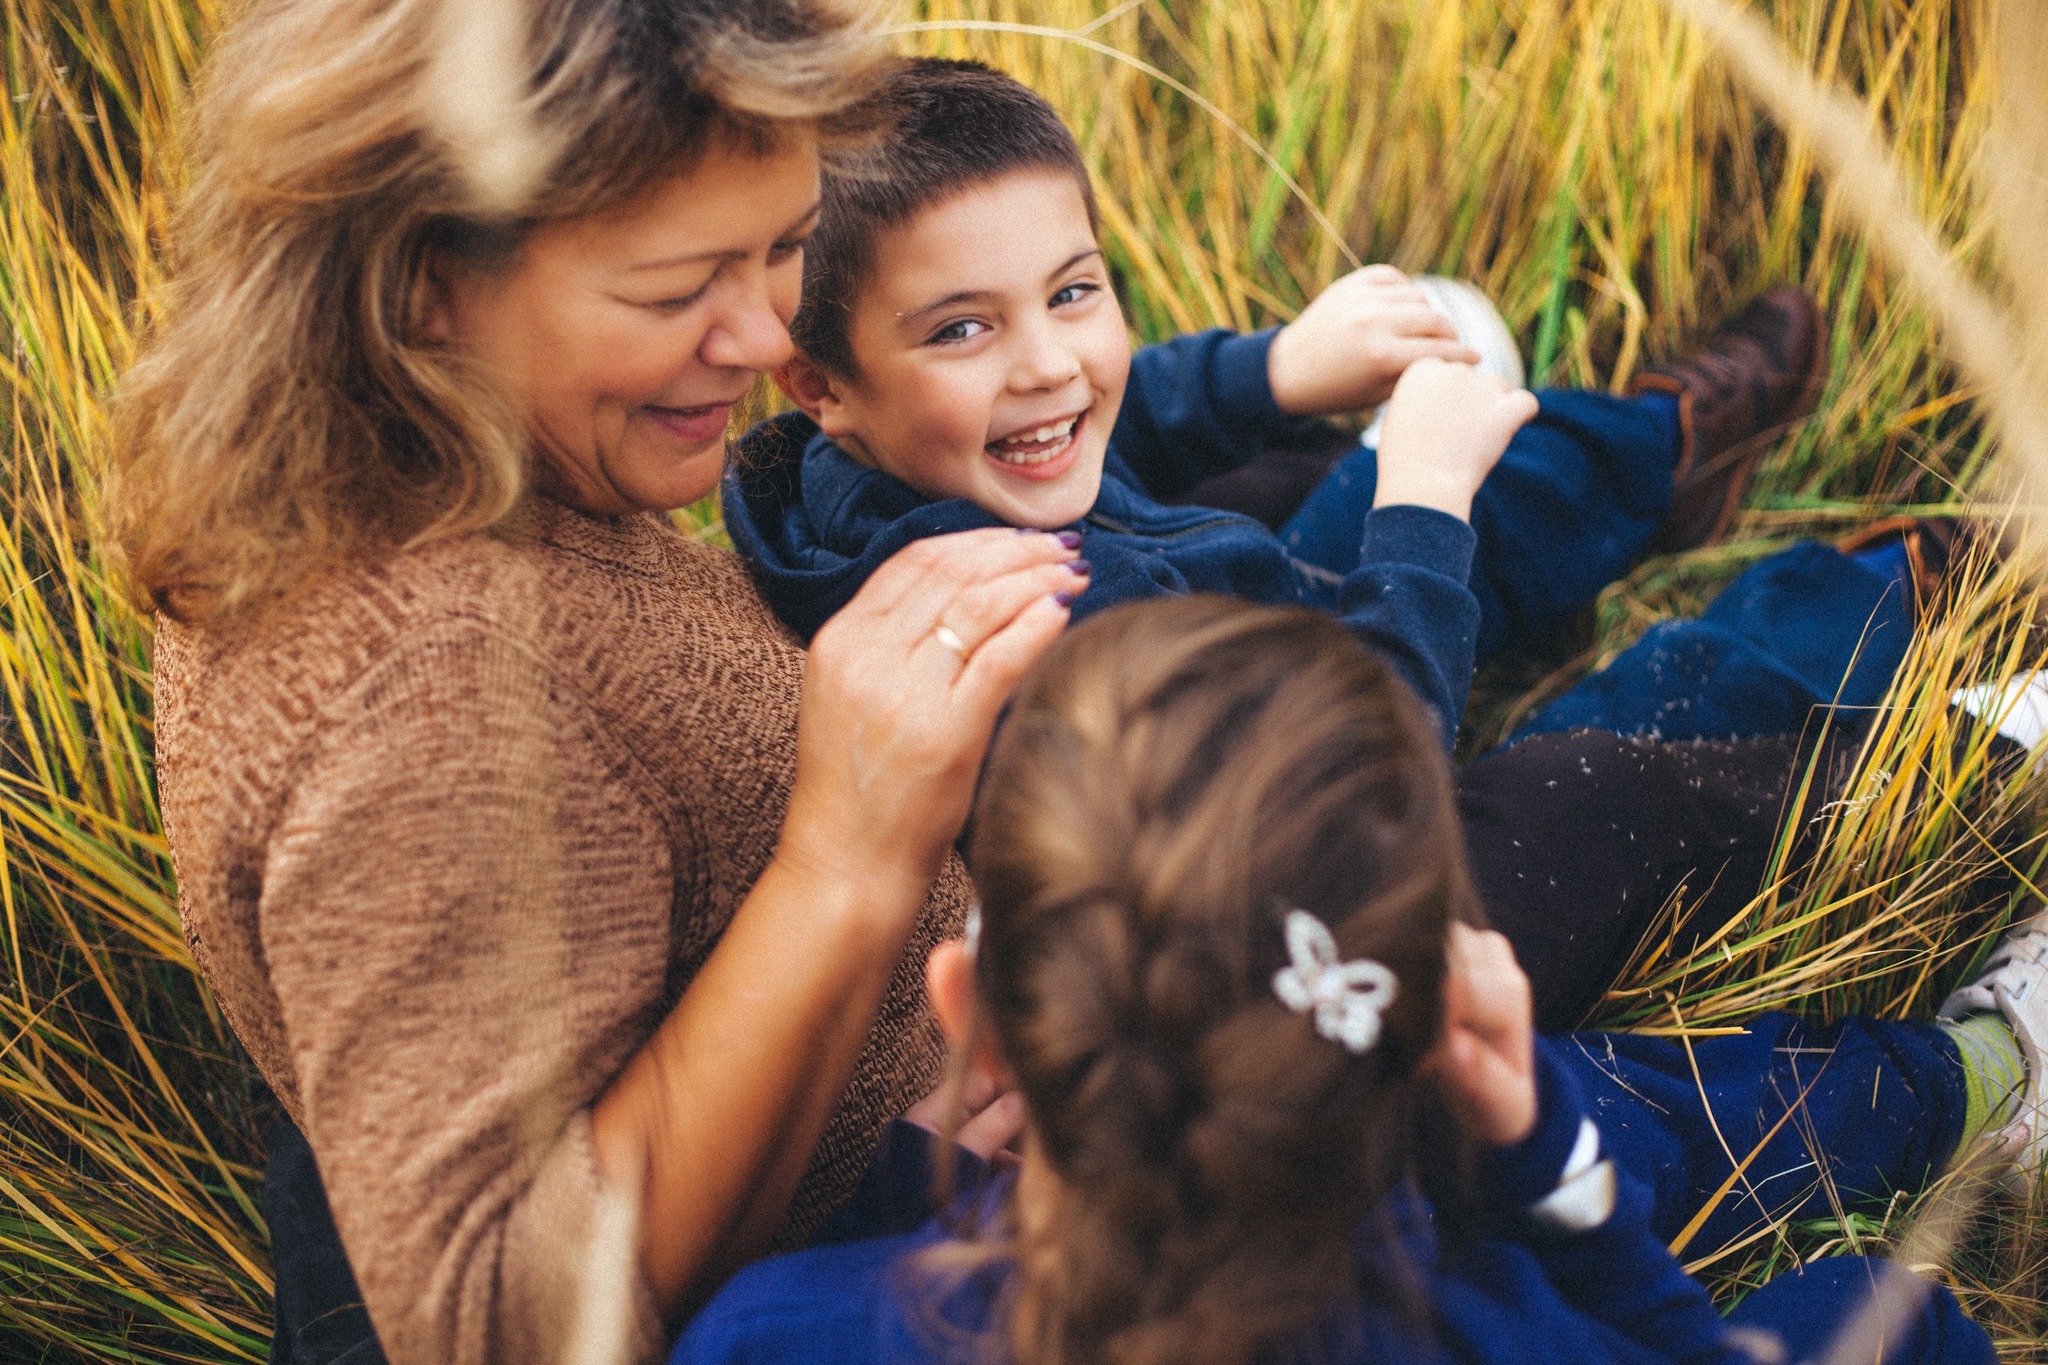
(813, 523)
(1522, 1290)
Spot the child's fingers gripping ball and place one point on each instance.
(1447, 427)
(1355, 339)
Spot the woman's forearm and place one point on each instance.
(715, 1118)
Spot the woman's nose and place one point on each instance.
(752, 331)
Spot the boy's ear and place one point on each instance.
(809, 387)
(949, 982)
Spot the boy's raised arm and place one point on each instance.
(1197, 406)
(1408, 598)
(1204, 404)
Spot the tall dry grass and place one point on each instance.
(127, 1159)
(1593, 164)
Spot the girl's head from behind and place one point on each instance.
(1174, 779)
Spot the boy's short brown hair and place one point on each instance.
(951, 126)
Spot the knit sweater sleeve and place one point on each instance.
(1196, 406)
(452, 851)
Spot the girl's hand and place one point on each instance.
(1487, 1058)
(900, 695)
(1447, 427)
(991, 1119)
(1355, 340)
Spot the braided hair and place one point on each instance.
(1174, 778)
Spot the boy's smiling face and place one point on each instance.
(991, 351)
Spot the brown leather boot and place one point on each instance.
(1931, 544)
(1759, 373)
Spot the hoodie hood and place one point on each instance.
(813, 523)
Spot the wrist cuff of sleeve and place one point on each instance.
(1584, 1197)
(1562, 1149)
(1421, 536)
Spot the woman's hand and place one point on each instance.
(1487, 1058)
(1355, 340)
(1447, 427)
(901, 692)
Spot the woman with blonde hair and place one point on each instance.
(572, 913)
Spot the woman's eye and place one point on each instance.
(957, 331)
(1074, 293)
(676, 303)
(782, 251)
(680, 301)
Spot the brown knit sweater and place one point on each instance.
(451, 837)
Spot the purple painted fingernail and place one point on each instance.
(1065, 599)
(1070, 539)
(1080, 566)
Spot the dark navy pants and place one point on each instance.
(1875, 1107)
(1807, 627)
(1810, 1309)
(1570, 508)
(319, 1317)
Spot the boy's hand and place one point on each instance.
(1446, 428)
(1355, 340)
(1487, 1058)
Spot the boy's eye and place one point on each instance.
(959, 330)
(1074, 293)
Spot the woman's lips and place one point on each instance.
(695, 425)
(1043, 452)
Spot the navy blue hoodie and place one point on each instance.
(1567, 1269)
(813, 523)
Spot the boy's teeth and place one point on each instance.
(1035, 446)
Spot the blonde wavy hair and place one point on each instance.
(286, 417)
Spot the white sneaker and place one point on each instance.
(2017, 708)
(2014, 982)
(1478, 324)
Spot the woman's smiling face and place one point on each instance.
(991, 353)
(626, 337)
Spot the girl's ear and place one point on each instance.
(949, 982)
